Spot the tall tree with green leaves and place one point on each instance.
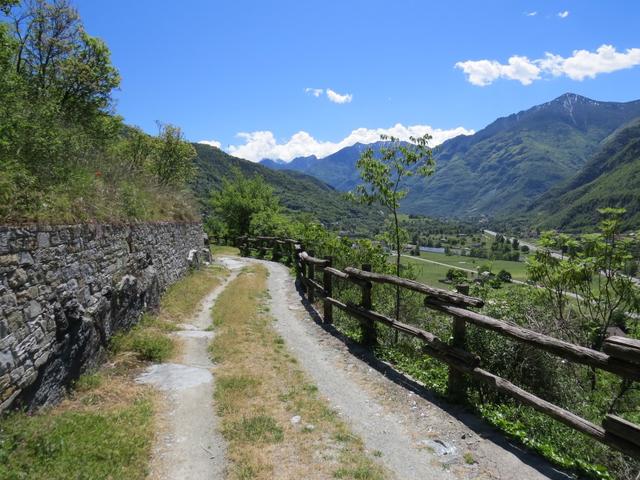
(243, 201)
(591, 271)
(172, 161)
(383, 174)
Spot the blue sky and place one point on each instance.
(220, 69)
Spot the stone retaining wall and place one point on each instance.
(64, 291)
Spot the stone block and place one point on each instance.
(43, 239)
(8, 260)
(33, 310)
(25, 259)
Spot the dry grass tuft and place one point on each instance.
(224, 250)
(148, 339)
(260, 391)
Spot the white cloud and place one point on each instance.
(580, 65)
(211, 143)
(338, 98)
(484, 72)
(531, 14)
(316, 92)
(583, 63)
(263, 144)
(564, 14)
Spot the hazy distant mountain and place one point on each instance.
(338, 169)
(611, 178)
(299, 164)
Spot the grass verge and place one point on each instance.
(273, 419)
(104, 430)
(224, 250)
(148, 340)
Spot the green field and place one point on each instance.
(431, 274)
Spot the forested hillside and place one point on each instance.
(298, 192)
(610, 179)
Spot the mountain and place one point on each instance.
(611, 178)
(299, 164)
(298, 192)
(502, 168)
(338, 169)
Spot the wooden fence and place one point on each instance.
(621, 355)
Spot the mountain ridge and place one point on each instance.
(502, 168)
(298, 193)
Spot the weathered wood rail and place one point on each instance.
(621, 356)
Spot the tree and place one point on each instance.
(59, 101)
(173, 159)
(383, 175)
(456, 276)
(244, 200)
(592, 271)
(504, 276)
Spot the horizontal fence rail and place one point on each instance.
(621, 356)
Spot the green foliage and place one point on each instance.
(172, 160)
(148, 344)
(246, 205)
(504, 276)
(455, 275)
(64, 156)
(383, 174)
(591, 271)
(299, 194)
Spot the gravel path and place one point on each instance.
(414, 435)
(188, 444)
(418, 437)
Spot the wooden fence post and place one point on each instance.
(275, 250)
(457, 384)
(297, 249)
(369, 334)
(311, 274)
(328, 292)
(290, 253)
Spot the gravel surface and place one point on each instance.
(418, 436)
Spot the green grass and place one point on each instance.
(518, 270)
(432, 274)
(110, 444)
(224, 250)
(256, 429)
(147, 343)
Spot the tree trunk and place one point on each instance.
(395, 217)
